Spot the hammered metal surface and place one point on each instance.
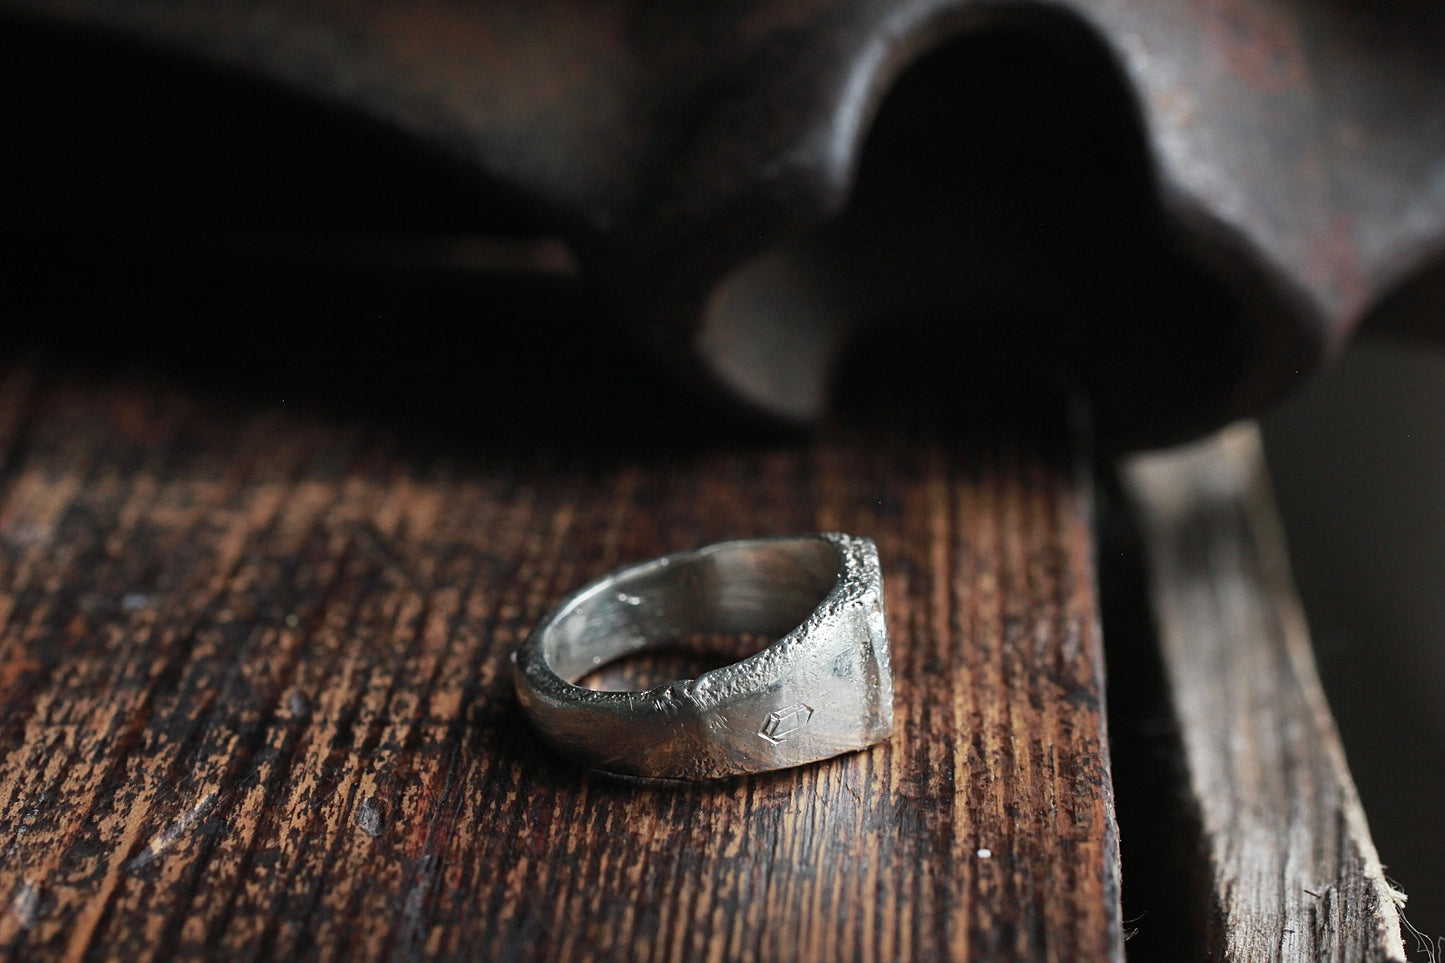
(824, 688)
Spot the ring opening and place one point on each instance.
(686, 657)
(756, 588)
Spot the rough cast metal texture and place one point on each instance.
(1232, 185)
(823, 689)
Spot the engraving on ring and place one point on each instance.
(784, 722)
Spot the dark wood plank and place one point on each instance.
(257, 700)
(1291, 870)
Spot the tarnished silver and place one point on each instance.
(823, 688)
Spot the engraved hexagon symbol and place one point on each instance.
(786, 721)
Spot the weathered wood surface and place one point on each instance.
(1291, 871)
(257, 703)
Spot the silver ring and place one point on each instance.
(824, 688)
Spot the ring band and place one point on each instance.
(824, 688)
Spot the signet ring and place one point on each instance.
(823, 688)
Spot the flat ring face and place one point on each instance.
(823, 688)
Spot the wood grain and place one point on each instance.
(1290, 869)
(257, 700)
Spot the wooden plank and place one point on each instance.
(1291, 871)
(257, 699)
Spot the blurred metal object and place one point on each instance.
(1183, 205)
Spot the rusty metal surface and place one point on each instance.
(1185, 205)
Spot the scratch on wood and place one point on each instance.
(370, 818)
(167, 837)
(296, 704)
(25, 907)
(22, 916)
